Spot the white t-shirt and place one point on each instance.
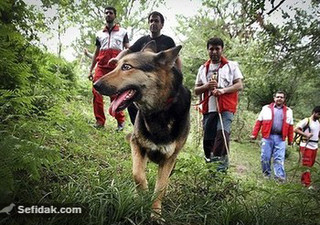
(314, 128)
(226, 75)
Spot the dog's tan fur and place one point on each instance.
(158, 133)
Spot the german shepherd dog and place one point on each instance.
(150, 81)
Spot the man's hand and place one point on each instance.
(217, 92)
(211, 85)
(90, 76)
(309, 135)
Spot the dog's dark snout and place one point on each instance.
(103, 88)
(100, 87)
(97, 85)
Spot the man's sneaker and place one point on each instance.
(311, 187)
(215, 159)
(120, 127)
(212, 159)
(208, 160)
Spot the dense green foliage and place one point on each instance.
(51, 154)
(33, 86)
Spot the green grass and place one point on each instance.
(61, 159)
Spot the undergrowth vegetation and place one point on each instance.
(60, 159)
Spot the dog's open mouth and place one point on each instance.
(122, 100)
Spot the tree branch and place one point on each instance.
(275, 8)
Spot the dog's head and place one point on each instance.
(144, 77)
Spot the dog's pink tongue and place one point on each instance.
(116, 102)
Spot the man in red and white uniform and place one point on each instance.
(309, 128)
(224, 88)
(109, 43)
(276, 124)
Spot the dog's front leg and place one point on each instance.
(164, 172)
(139, 163)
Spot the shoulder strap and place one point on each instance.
(298, 137)
(307, 125)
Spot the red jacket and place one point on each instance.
(265, 120)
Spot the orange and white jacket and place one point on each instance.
(111, 44)
(265, 121)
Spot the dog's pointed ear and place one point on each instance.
(168, 57)
(150, 47)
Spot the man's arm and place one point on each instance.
(290, 134)
(298, 130)
(211, 85)
(257, 125)
(94, 62)
(87, 53)
(236, 86)
(256, 129)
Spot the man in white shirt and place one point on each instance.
(309, 129)
(218, 81)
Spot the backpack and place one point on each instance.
(298, 137)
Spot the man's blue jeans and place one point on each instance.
(274, 147)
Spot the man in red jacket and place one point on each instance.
(276, 121)
(110, 42)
